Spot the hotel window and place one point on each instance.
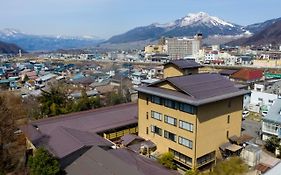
(228, 119)
(147, 100)
(155, 99)
(146, 130)
(185, 125)
(227, 134)
(156, 130)
(146, 115)
(156, 115)
(185, 142)
(181, 157)
(169, 103)
(170, 120)
(170, 136)
(187, 108)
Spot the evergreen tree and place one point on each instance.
(43, 163)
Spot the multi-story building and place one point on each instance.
(183, 47)
(271, 124)
(181, 67)
(190, 116)
(153, 49)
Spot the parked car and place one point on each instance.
(264, 113)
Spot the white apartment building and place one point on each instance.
(271, 124)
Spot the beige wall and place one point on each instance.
(154, 49)
(172, 71)
(212, 124)
(267, 63)
(166, 85)
(209, 134)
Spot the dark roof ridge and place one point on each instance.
(74, 114)
(64, 129)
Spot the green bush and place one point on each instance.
(166, 159)
(272, 144)
(43, 163)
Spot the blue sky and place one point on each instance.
(105, 18)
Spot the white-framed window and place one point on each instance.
(156, 115)
(170, 120)
(185, 142)
(185, 125)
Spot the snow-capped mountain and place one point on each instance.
(31, 42)
(187, 26)
(200, 18)
(257, 27)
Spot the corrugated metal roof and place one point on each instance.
(248, 74)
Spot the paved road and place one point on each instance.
(251, 127)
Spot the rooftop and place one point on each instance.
(274, 113)
(184, 64)
(77, 130)
(115, 161)
(196, 89)
(248, 74)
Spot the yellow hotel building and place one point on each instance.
(190, 116)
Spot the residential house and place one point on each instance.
(271, 123)
(247, 76)
(181, 67)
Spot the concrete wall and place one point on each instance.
(262, 98)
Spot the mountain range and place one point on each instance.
(214, 30)
(7, 48)
(31, 42)
(189, 25)
(268, 35)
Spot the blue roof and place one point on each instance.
(78, 76)
(274, 113)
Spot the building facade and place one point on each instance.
(190, 116)
(183, 47)
(271, 124)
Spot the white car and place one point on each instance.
(264, 113)
(245, 114)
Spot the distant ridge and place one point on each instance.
(269, 35)
(187, 26)
(7, 48)
(31, 42)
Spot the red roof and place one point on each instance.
(248, 74)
